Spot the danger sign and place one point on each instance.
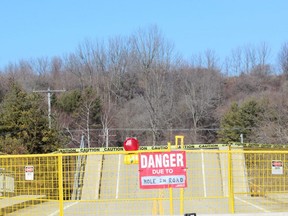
(29, 173)
(162, 170)
(277, 167)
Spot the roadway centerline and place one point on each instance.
(118, 176)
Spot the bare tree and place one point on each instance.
(201, 92)
(89, 110)
(107, 116)
(114, 84)
(262, 67)
(86, 63)
(22, 73)
(73, 66)
(42, 69)
(88, 53)
(273, 125)
(57, 75)
(153, 58)
(249, 59)
(264, 52)
(283, 58)
(119, 60)
(41, 66)
(235, 62)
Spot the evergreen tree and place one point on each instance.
(69, 101)
(24, 126)
(240, 120)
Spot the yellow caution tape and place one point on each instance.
(187, 147)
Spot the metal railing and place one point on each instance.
(220, 179)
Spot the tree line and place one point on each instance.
(140, 81)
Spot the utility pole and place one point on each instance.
(49, 92)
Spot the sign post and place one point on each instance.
(162, 170)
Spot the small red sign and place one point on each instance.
(29, 173)
(277, 163)
(29, 169)
(162, 170)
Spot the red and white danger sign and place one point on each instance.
(277, 167)
(162, 170)
(29, 173)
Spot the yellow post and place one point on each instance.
(60, 183)
(170, 191)
(171, 201)
(181, 189)
(230, 182)
(160, 204)
(181, 141)
(155, 207)
(181, 201)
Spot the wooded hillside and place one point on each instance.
(139, 86)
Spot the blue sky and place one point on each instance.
(35, 29)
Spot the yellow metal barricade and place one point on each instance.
(220, 180)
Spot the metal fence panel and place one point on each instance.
(220, 180)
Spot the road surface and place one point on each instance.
(112, 188)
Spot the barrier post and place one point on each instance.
(171, 201)
(171, 190)
(230, 182)
(181, 189)
(181, 141)
(161, 209)
(169, 146)
(60, 185)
